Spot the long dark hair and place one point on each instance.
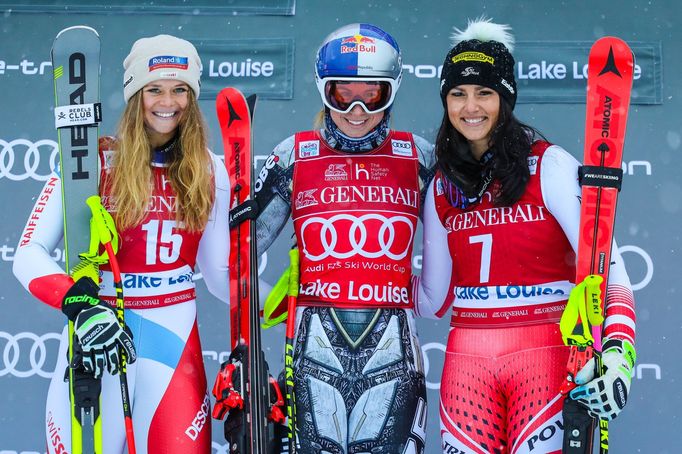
(510, 143)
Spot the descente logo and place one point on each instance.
(199, 420)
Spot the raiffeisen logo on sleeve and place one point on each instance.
(168, 61)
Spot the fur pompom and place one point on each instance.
(483, 29)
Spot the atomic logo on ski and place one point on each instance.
(610, 66)
(233, 113)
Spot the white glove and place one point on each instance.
(99, 337)
(606, 395)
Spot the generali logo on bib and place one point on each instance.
(306, 199)
(336, 172)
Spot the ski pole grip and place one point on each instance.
(593, 291)
(103, 225)
(294, 272)
(569, 318)
(95, 204)
(576, 308)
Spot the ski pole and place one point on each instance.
(103, 224)
(292, 295)
(576, 333)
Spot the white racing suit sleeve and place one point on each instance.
(214, 247)
(429, 292)
(561, 193)
(34, 266)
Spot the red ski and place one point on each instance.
(234, 116)
(610, 70)
(609, 83)
(245, 385)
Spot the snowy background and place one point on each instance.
(649, 216)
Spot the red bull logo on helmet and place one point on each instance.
(358, 43)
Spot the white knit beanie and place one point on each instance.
(161, 57)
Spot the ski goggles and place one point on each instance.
(342, 94)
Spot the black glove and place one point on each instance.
(98, 332)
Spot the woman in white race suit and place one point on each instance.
(169, 196)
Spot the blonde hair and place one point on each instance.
(190, 168)
(318, 120)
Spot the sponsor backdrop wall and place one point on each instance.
(268, 47)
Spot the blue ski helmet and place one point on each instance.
(359, 53)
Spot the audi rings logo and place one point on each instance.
(26, 354)
(322, 240)
(18, 151)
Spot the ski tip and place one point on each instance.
(251, 102)
(227, 91)
(612, 41)
(78, 27)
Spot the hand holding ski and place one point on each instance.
(97, 330)
(605, 395)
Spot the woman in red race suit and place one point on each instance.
(353, 187)
(507, 205)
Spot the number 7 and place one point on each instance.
(486, 252)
